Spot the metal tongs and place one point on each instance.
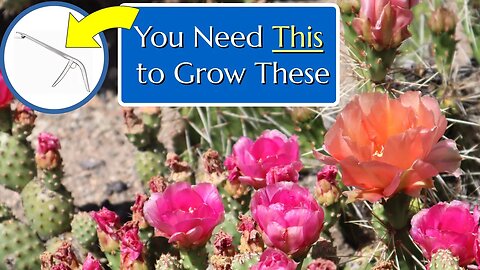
(72, 61)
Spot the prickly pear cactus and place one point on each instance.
(149, 163)
(20, 248)
(244, 261)
(142, 133)
(444, 260)
(49, 212)
(17, 162)
(168, 262)
(84, 229)
(442, 23)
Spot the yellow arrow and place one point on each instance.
(80, 33)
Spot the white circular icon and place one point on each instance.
(41, 71)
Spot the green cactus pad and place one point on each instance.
(229, 226)
(168, 262)
(17, 163)
(49, 212)
(444, 260)
(149, 164)
(84, 229)
(245, 260)
(20, 248)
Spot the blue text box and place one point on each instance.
(230, 55)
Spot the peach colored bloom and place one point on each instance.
(385, 146)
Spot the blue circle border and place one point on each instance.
(7, 81)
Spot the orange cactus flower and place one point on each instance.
(386, 146)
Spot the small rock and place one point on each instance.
(91, 164)
(116, 187)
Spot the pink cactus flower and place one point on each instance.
(448, 226)
(6, 96)
(384, 23)
(386, 146)
(185, 214)
(107, 221)
(251, 161)
(91, 263)
(289, 216)
(131, 247)
(477, 247)
(274, 259)
(47, 142)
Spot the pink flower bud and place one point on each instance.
(107, 221)
(91, 263)
(329, 173)
(289, 216)
(448, 226)
(185, 214)
(274, 259)
(6, 96)
(47, 142)
(384, 23)
(251, 161)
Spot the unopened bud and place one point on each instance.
(442, 20)
(301, 114)
(23, 116)
(349, 6)
(326, 193)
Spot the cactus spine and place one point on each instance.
(168, 262)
